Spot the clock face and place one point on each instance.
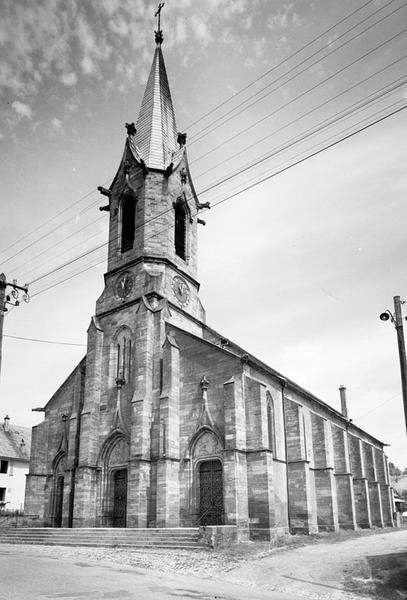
(181, 290)
(124, 285)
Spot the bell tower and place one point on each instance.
(153, 208)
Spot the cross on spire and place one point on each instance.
(159, 34)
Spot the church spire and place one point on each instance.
(156, 136)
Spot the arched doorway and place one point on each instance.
(207, 453)
(210, 492)
(113, 483)
(57, 510)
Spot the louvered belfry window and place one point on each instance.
(180, 230)
(124, 354)
(128, 222)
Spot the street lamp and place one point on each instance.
(397, 319)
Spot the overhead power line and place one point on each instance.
(44, 224)
(314, 109)
(26, 339)
(65, 250)
(274, 174)
(244, 150)
(201, 192)
(198, 120)
(229, 116)
(307, 45)
(301, 95)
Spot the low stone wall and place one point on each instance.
(221, 536)
(267, 534)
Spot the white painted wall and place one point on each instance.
(14, 482)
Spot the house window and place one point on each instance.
(271, 427)
(180, 230)
(2, 494)
(128, 215)
(3, 466)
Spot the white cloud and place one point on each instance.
(247, 22)
(88, 66)
(283, 18)
(201, 30)
(180, 30)
(2, 136)
(111, 6)
(120, 25)
(259, 46)
(22, 109)
(69, 79)
(56, 123)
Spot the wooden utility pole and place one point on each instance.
(9, 299)
(398, 323)
(3, 286)
(397, 319)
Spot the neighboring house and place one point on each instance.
(15, 446)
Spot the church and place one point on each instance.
(165, 423)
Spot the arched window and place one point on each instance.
(271, 427)
(180, 230)
(128, 214)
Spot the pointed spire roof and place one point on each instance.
(156, 136)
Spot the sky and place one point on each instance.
(296, 268)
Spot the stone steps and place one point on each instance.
(187, 537)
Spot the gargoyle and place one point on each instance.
(204, 205)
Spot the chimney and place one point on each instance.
(344, 406)
(6, 423)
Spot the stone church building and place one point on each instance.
(165, 423)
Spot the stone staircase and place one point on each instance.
(180, 537)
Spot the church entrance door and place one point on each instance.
(119, 497)
(210, 493)
(59, 500)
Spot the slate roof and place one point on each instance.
(156, 137)
(10, 442)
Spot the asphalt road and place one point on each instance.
(25, 576)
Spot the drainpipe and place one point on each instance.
(283, 384)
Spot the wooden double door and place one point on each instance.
(119, 497)
(210, 493)
(59, 501)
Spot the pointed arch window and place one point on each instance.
(180, 230)
(128, 226)
(271, 426)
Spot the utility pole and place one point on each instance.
(12, 298)
(397, 320)
(2, 309)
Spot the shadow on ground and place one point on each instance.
(382, 577)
